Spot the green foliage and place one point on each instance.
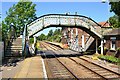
(0, 28)
(42, 37)
(31, 40)
(114, 21)
(19, 14)
(118, 48)
(5, 31)
(110, 58)
(0, 33)
(51, 36)
(115, 7)
(50, 33)
(55, 36)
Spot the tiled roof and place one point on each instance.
(104, 24)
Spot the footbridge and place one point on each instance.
(64, 20)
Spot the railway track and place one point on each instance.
(103, 73)
(57, 70)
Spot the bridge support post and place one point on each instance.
(34, 40)
(76, 31)
(77, 45)
(96, 46)
(71, 38)
(28, 37)
(102, 47)
(83, 43)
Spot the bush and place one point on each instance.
(109, 58)
(31, 40)
(118, 49)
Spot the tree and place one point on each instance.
(114, 21)
(50, 33)
(57, 32)
(0, 28)
(5, 30)
(42, 37)
(51, 36)
(19, 14)
(54, 36)
(0, 32)
(115, 7)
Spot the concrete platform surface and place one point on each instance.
(31, 68)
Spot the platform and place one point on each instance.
(56, 43)
(32, 68)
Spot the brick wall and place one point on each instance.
(108, 42)
(80, 32)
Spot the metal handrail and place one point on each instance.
(89, 42)
(87, 39)
(24, 41)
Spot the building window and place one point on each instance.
(113, 43)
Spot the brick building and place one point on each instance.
(111, 42)
(67, 34)
(71, 34)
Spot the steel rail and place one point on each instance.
(88, 68)
(100, 66)
(64, 66)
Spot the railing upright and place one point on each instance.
(24, 41)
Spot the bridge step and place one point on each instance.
(15, 48)
(13, 52)
(12, 47)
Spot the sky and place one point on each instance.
(96, 10)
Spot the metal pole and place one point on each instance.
(102, 49)
(83, 43)
(34, 39)
(96, 46)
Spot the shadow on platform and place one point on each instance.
(52, 54)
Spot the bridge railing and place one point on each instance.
(24, 41)
(63, 20)
(89, 42)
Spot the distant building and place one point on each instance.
(111, 38)
(104, 24)
(71, 34)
